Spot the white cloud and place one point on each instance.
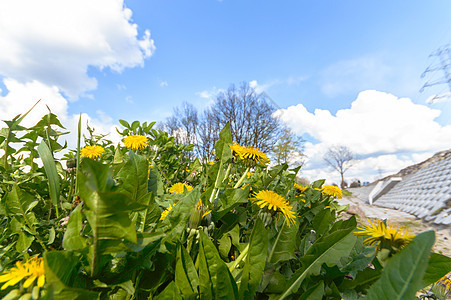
(54, 42)
(377, 127)
(253, 84)
(259, 88)
(163, 83)
(209, 94)
(21, 97)
(121, 87)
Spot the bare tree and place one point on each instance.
(182, 125)
(249, 115)
(340, 158)
(208, 134)
(248, 112)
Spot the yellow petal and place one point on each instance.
(13, 281)
(29, 281)
(41, 281)
(5, 277)
(206, 213)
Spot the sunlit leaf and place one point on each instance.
(215, 280)
(72, 239)
(329, 250)
(438, 266)
(255, 261)
(403, 274)
(186, 276)
(51, 172)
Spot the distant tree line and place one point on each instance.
(251, 123)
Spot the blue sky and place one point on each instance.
(205, 44)
(139, 59)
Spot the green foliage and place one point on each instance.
(255, 262)
(105, 229)
(402, 276)
(51, 172)
(287, 146)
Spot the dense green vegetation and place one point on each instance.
(147, 220)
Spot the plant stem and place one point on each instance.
(240, 258)
(226, 176)
(78, 156)
(213, 195)
(237, 185)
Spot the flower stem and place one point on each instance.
(240, 258)
(237, 185)
(226, 176)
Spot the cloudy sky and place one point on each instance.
(342, 72)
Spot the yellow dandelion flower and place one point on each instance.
(179, 188)
(165, 212)
(277, 203)
(211, 162)
(237, 150)
(333, 191)
(445, 281)
(199, 204)
(136, 142)
(245, 186)
(380, 233)
(200, 207)
(31, 270)
(92, 152)
(300, 187)
(249, 154)
(253, 154)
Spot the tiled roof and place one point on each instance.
(425, 193)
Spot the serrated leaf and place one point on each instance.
(438, 266)
(230, 199)
(255, 262)
(215, 280)
(107, 211)
(222, 146)
(62, 274)
(175, 223)
(155, 184)
(133, 177)
(359, 258)
(327, 250)
(48, 119)
(403, 273)
(322, 221)
(186, 277)
(72, 239)
(284, 245)
(19, 202)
